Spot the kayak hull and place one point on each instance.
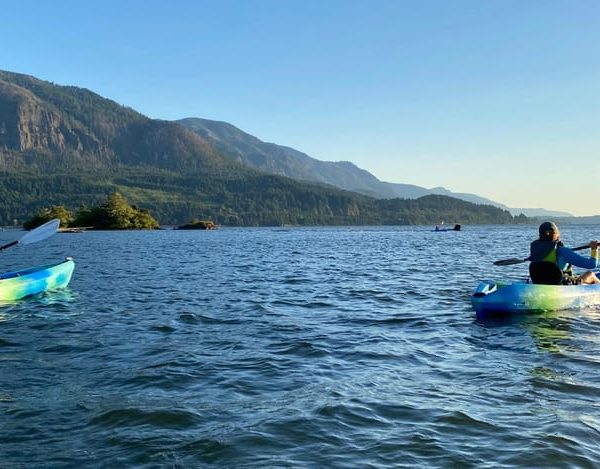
(35, 280)
(520, 297)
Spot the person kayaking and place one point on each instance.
(551, 260)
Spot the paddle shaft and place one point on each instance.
(519, 261)
(16, 241)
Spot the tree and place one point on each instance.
(119, 215)
(56, 211)
(114, 214)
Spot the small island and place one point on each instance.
(114, 214)
(198, 225)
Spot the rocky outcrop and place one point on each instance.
(51, 127)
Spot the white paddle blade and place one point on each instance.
(41, 232)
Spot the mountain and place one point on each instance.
(44, 126)
(285, 161)
(587, 220)
(541, 213)
(528, 212)
(64, 145)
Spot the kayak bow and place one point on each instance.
(21, 283)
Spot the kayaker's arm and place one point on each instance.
(579, 261)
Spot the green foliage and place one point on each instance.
(227, 199)
(119, 215)
(56, 211)
(114, 214)
(88, 217)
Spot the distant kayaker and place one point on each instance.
(549, 251)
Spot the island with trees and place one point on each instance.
(114, 214)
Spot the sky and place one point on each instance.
(499, 98)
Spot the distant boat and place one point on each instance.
(456, 228)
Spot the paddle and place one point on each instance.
(519, 261)
(37, 234)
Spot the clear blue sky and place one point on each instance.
(500, 98)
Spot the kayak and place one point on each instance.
(521, 297)
(21, 283)
(456, 228)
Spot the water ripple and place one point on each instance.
(165, 418)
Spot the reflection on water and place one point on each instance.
(62, 300)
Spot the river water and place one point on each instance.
(299, 347)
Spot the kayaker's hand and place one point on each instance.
(594, 249)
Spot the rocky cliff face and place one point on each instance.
(31, 127)
(26, 124)
(49, 127)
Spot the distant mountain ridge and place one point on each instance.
(45, 126)
(286, 161)
(64, 145)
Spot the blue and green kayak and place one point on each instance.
(34, 280)
(521, 297)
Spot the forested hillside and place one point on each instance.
(264, 200)
(285, 161)
(63, 145)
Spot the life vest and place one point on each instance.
(544, 251)
(544, 268)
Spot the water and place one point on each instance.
(300, 347)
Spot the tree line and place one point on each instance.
(227, 199)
